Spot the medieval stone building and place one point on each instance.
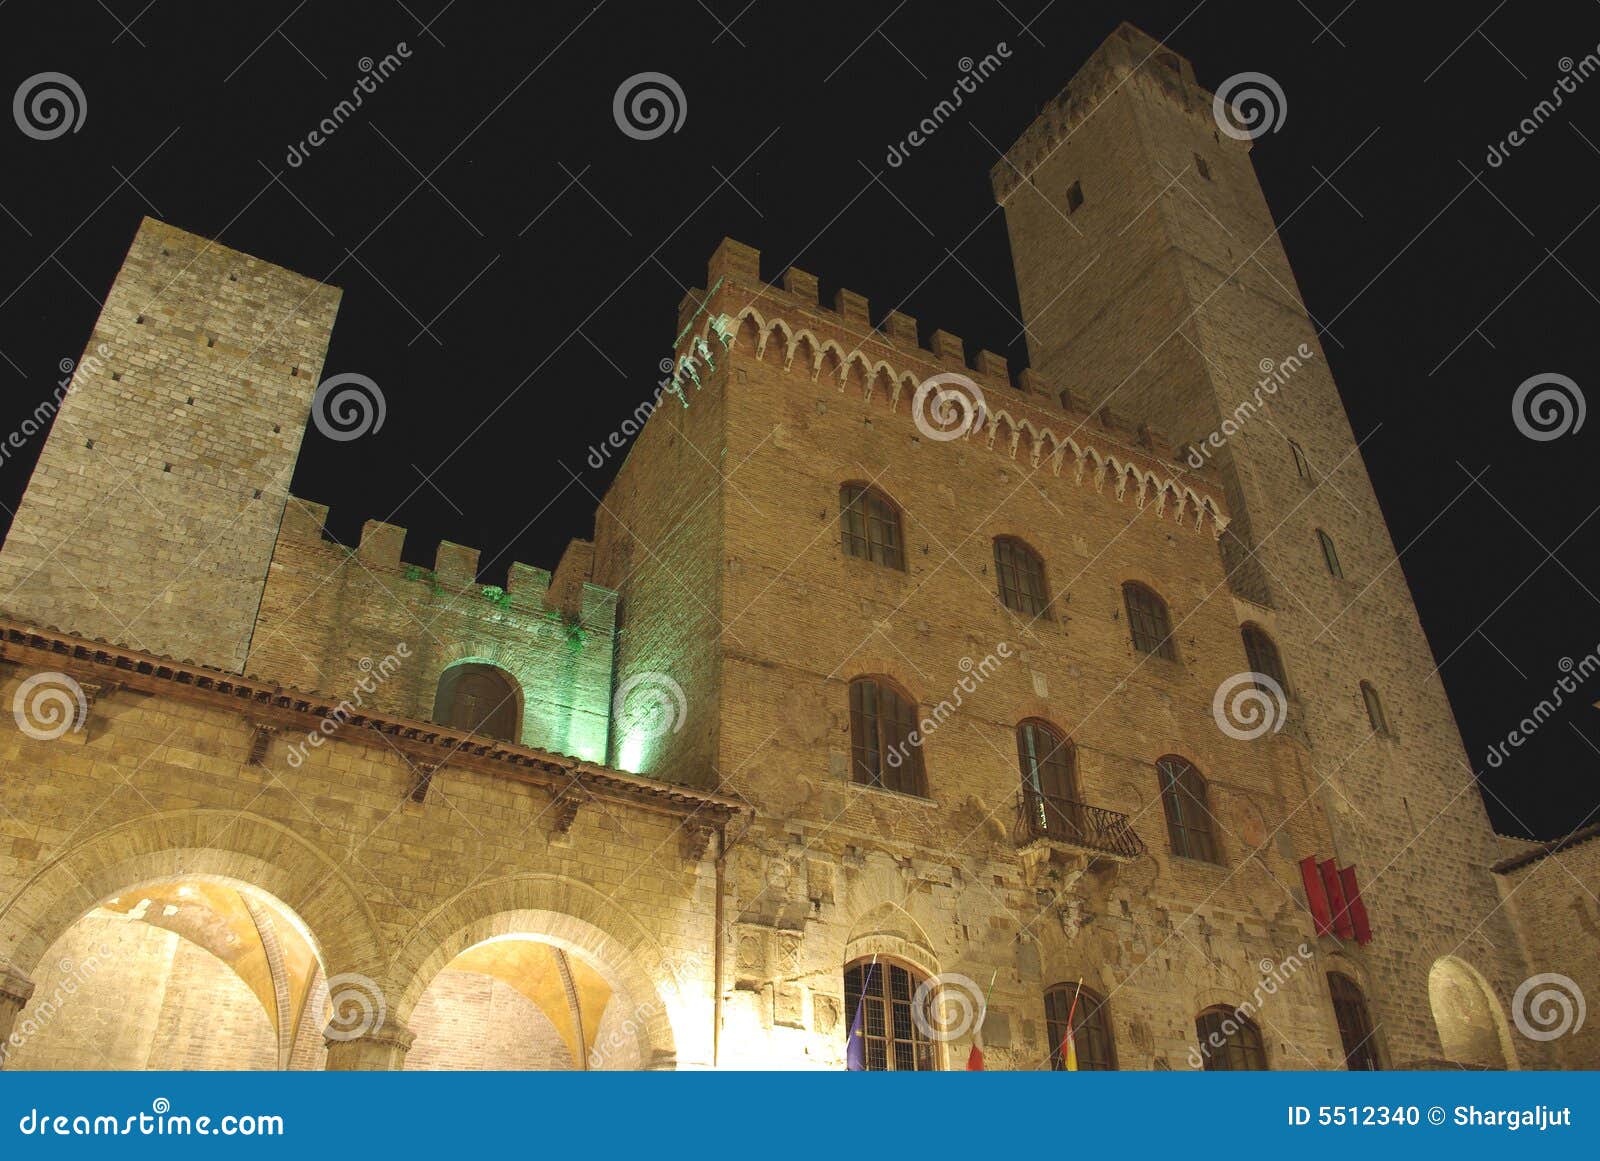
(860, 688)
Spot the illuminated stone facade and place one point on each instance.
(669, 862)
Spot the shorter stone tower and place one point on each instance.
(151, 516)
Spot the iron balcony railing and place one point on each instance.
(1061, 820)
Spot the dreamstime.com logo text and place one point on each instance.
(45, 411)
(42, 1008)
(376, 673)
(1546, 707)
(1273, 977)
(976, 673)
(160, 1121)
(1572, 75)
(1273, 376)
(373, 74)
(973, 74)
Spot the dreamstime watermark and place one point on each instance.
(948, 1006)
(160, 1121)
(42, 1009)
(1273, 977)
(651, 703)
(973, 74)
(348, 406)
(45, 411)
(948, 406)
(1546, 707)
(977, 672)
(376, 674)
(373, 74)
(614, 1037)
(49, 705)
(49, 105)
(1548, 1006)
(1248, 105)
(1548, 406)
(355, 1006)
(633, 423)
(1573, 74)
(649, 105)
(1274, 374)
(1249, 705)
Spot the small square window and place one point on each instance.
(1201, 167)
(1074, 196)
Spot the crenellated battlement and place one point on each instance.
(1052, 426)
(454, 568)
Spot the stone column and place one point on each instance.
(383, 1049)
(15, 991)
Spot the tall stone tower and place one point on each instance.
(151, 516)
(1154, 284)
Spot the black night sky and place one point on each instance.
(511, 261)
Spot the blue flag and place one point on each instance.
(855, 1047)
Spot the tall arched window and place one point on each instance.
(1355, 1024)
(1183, 798)
(1148, 622)
(1375, 714)
(1229, 1041)
(1020, 573)
(1091, 1028)
(891, 1040)
(1049, 780)
(478, 698)
(885, 745)
(1262, 653)
(1330, 554)
(870, 526)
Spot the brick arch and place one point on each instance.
(570, 915)
(221, 844)
(496, 654)
(880, 665)
(889, 931)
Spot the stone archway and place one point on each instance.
(667, 1000)
(1472, 1024)
(193, 973)
(192, 846)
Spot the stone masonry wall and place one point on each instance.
(151, 515)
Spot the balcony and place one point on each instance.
(1076, 826)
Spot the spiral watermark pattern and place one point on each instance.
(1548, 406)
(1249, 105)
(649, 105)
(347, 407)
(948, 406)
(47, 706)
(948, 1006)
(659, 707)
(49, 105)
(1249, 705)
(356, 1006)
(1548, 1006)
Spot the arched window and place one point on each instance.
(478, 698)
(1330, 554)
(1091, 1028)
(891, 1040)
(1020, 572)
(1183, 797)
(1375, 714)
(1229, 1041)
(1148, 622)
(886, 748)
(1049, 780)
(1355, 1024)
(1262, 654)
(870, 526)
